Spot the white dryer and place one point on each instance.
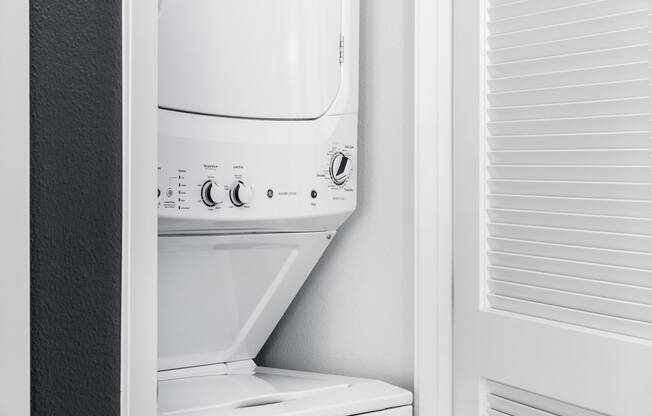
(257, 170)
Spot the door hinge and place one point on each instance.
(341, 49)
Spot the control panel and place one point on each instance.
(223, 184)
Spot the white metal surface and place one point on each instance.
(538, 349)
(220, 297)
(250, 58)
(279, 392)
(257, 134)
(14, 221)
(226, 175)
(287, 164)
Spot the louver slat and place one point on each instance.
(628, 293)
(572, 93)
(560, 126)
(552, 15)
(575, 316)
(569, 166)
(611, 40)
(571, 62)
(514, 408)
(616, 157)
(635, 105)
(589, 206)
(581, 302)
(611, 23)
(613, 73)
(614, 224)
(507, 400)
(585, 254)
(598, 239)
(613, 190)
(615, 140)
(528, 7)
(574, 173)
(572, 268)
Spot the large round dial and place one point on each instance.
(241, 193)
(340, 168)
(212, 193)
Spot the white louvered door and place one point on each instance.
(553, 207)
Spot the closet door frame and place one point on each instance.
(433, 279)
(139, 216)
(14, 221)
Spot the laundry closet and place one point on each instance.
(259, 164)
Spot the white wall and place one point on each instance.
(354, 316)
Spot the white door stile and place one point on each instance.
(139, 217)
(433, 208)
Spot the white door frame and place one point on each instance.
(433, 280)
(14, 218)
(139, 216)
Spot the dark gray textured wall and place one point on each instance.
(75, 206)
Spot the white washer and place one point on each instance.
(281, 392)
(257, 169)
(220, 297)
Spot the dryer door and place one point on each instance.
(250, 58)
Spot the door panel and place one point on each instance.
(250, 58)
(553, 208)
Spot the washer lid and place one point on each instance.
(277, 392)
(250, 58)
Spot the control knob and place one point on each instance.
(241, 194)
(340, 168)
(212, 194)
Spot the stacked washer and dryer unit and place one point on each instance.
(257, 169)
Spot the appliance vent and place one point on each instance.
(503, 400)
(569, 162)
